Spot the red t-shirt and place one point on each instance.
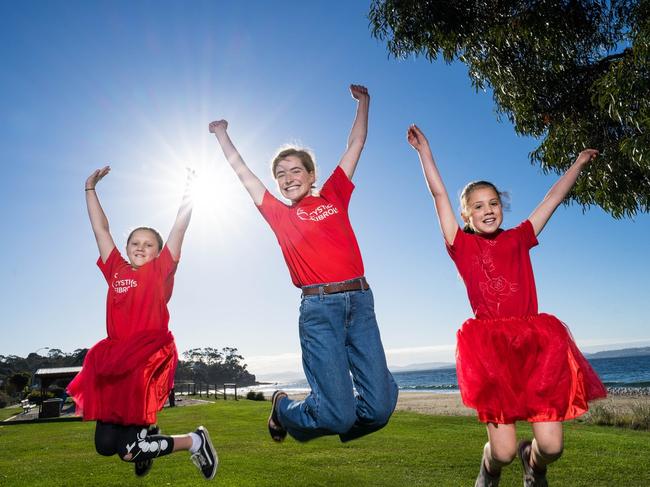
(497, 271)
(137, 298)
(315, 234)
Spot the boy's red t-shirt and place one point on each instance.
(315, 235)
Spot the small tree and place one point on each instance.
(19, 381)
(210, 365)
(55, 353)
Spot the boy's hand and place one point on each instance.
(218, 126)
(359, 92)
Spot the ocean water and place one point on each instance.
(621, 372)
(614, 372)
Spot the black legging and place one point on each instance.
(113, 438)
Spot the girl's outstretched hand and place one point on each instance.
(218, 126)
(96, 177)
(587, 156)
(416, 138)
(359, 92)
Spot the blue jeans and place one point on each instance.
(339, 336)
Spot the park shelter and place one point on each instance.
(47, 377)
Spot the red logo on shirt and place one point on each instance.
(320, 213)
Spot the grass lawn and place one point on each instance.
(10, 411)
(412, 450)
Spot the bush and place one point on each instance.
(5, 400)
(57, 391)
(635, 416)
(599, 414)
(255, 396)
(640, 416)
(35, 396)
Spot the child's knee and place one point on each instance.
(105, 447)
(338, 425)
(503, 453)
(380, 415)
(106, 439)
(549, 450)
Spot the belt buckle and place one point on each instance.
(329, 289)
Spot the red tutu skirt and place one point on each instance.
(523, 369)
(126, 381)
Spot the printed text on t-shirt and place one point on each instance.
(320, 213)
(123, 285)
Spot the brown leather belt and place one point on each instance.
(337, 287)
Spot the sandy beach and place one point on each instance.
(433, 403)
(451, 404)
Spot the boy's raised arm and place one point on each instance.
(251, 182)
(359, 131)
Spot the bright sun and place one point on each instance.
(223, 212)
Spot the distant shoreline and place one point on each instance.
(267, 389)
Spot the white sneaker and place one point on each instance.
(206, 459)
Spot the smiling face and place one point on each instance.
(482, 209)
(142, 246)
(294, 180)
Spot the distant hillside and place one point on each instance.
(422, 366)
(624, 352)
(286, 376)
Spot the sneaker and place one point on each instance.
(142, 468)
(485, 478)
(276, 430)
(206, 459)
(532, 478)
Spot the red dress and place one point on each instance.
(512, 362)
(127, 376)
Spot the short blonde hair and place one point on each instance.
(305, 155)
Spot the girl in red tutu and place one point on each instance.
(512, 362)
(126, 377)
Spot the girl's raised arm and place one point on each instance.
(359, 131)
(559, 190)
(98, 219)
(177, 233)
(448, 222)
(251, 182)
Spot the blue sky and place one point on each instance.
(135, 84)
